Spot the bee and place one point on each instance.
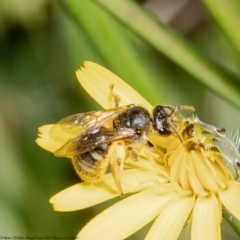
(100, 139)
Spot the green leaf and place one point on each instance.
(118, 47)
(174, 47)
(227, 17)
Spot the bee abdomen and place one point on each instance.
(92, 165)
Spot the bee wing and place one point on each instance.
(75, 125)
(87, 142)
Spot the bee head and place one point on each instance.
(160, 120)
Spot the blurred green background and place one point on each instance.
(171, 51)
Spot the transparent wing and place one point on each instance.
(87, 142)
(82, 123)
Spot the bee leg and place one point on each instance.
(132, 153)
(116, 169)
(116, 163)
(115, 96)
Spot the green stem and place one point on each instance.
(233, 222)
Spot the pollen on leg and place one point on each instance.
(117, 155)
(132, 153)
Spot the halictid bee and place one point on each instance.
(100, 139)
(103, 138)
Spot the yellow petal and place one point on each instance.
(176, 166)
(162, 141)
(58, 136)
(206, 219)
(127, 216)
(230, 198)
(173, 144)
(175, 154)
(171, 221)
(193, 177)
(97, 81)
(184, 171)
(84, 195)
(203, 172)
(147, 165)
(44, 141)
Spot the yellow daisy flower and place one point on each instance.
(188, 178)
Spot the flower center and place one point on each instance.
(195, 163)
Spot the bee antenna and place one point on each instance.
(174, 110)
(184, 107)
(175, 130)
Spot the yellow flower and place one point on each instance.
(188, 178)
